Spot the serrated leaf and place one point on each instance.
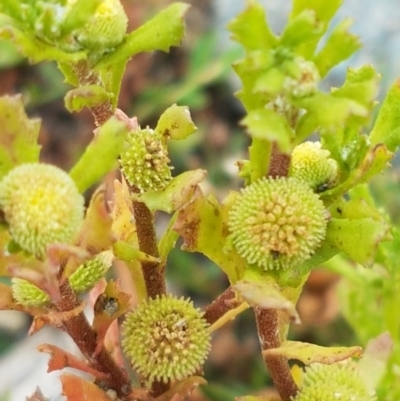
(175, 123)
(311, 353)
(178, 192)
(18, 135)
(202, 223)
(163, 31)
(250, 28)
(387, 125)
(36, 50)
(361, 85)
(265, 294)
(86, 96)
(340, 46)
(324, 10)
(302, 28)
(101, 154)
(60, 359)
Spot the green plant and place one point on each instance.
(292, 215)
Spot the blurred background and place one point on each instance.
(197, 74)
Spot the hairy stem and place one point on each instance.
(278, 367)
(223, 304)
(279, 164)
(86, 339)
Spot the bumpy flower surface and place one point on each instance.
(87, 275)
(28, 294)
(337, 382)
(42, 205)
(312, 164)
(145, 162)
(277, 223)
(106, 29)
(166, 338)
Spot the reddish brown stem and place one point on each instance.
(153, 277)
(278, 367)
(224, 303)
(86, 338)
(279, 164)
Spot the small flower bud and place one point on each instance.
(87, 275)
(107, 27)
(312, 165)
(340, 381)
(42, 205)
(145, 162)
(166, 338)
(277, 223)
(28, 294)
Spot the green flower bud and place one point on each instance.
(87, 275)
(166, 338)
(340, 381)
(145, 162)
(303, 80)
(312, 164)
(106, 29)
(42, 205)
(277, 223)
(28, 294)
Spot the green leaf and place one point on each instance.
(177, 193)
(202, 223)
(267, 125)
(324, 10)
(86, 96)
(387, 125)
(340, 45)
(111, 77)
(250, 28)
(302, 28)
(166, 29)
(358, 233)
(101, 155)
(175, 123)
(38, 51)
(311, 353)
(19, 135)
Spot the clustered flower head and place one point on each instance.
(166, 339)
(337, 382)
(277, 223)
(311, 163)
(28, 294)
(42, 205)
(145, 162)
(88, 274)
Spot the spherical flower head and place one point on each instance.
(88, 274)
(42, 205)
(337, 382)
(28, 294)
(277, 223)
(145, 162)
(311, 163)
(166, 338)
(106, 29)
